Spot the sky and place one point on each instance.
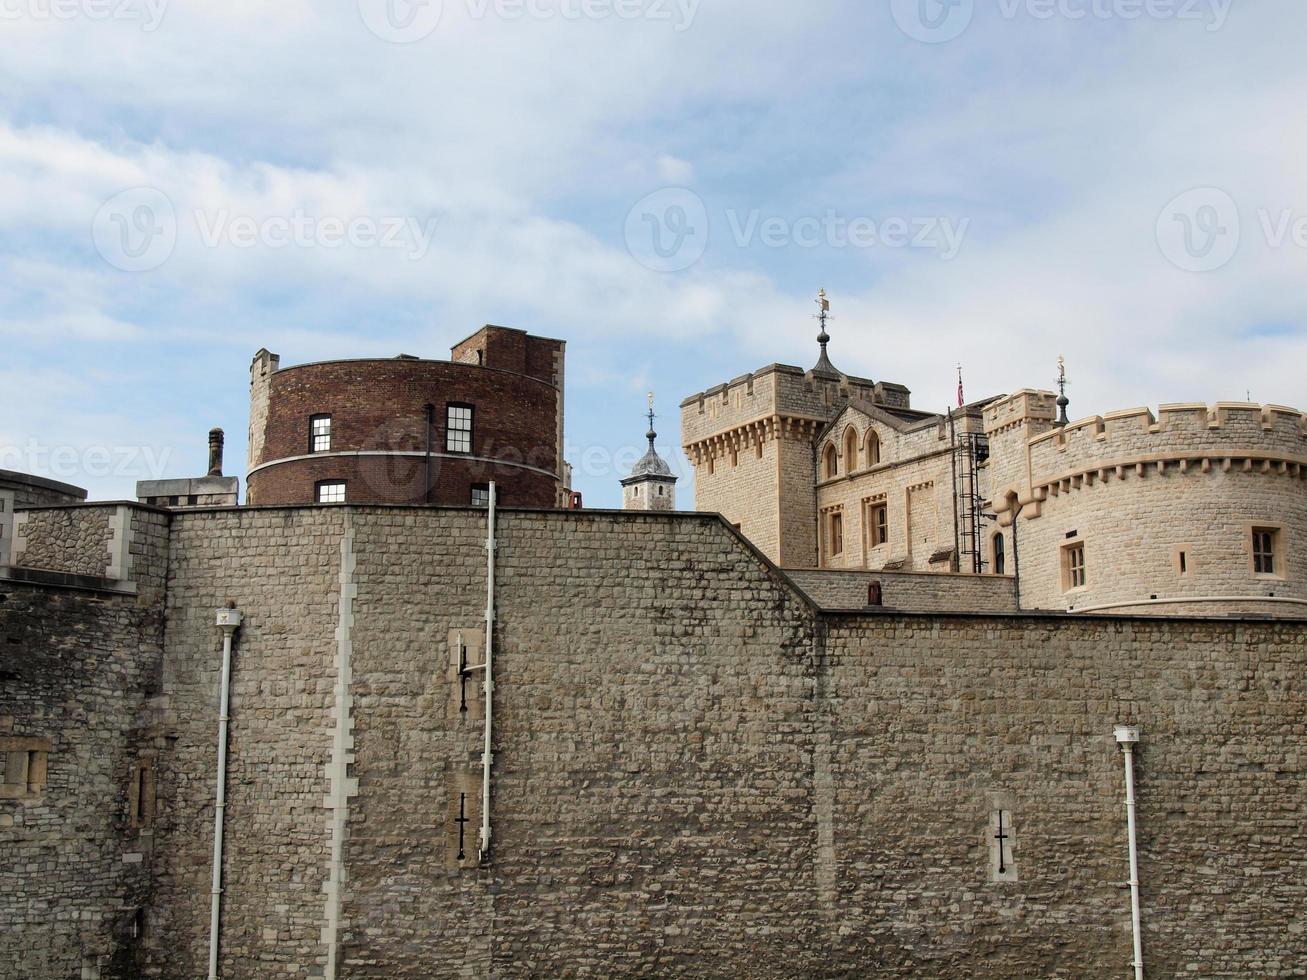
(665, 184)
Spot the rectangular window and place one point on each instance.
(481, 495)
(458, 428)
(878, 523)
(331, 492)
(25, 761)
(319, 433)
(1265, 540)
(837, 533)
(1073, 566)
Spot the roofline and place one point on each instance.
(413, 360)
(45, 483)
(496, 326)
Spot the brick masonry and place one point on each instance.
(697, 772)
(378, 407)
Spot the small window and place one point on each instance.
(837, 533)
(1000, 555)
(660, 489)
(319, 433)
(1265, 542)
(331, 492)
(831, 463)
(481, 494)
(1073, 566)
(878, 523)
(25, 762)
(143, 796)
(758, 448)
(458, 428)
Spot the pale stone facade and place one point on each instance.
(1162, 508)
(1193, 511)
(751, 444)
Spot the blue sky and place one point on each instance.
(992, 183)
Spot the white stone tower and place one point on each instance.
(651, 485)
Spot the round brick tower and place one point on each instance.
(412, 431)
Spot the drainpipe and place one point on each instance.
(1127, 736)
(1016, 555)
(489, 684)
(431, 421)
(229, 621)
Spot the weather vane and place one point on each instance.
(1062, 382)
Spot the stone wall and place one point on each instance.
(36, 491)
(689, 778)
(908, 591)
(695, 771)
(79, 679)
(64, 539)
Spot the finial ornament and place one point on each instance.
(824, 365)
(1062, 400)
(651, 435)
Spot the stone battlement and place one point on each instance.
(1185, 434)
(1025, 405)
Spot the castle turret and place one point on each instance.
(651, 485)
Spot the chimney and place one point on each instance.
(215, 452)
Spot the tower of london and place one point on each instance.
(994, 693)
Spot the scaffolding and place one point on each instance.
(970, 452)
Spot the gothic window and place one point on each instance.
(1000, 555)
(458, 428)
(850, 450)
(873, 448)
(830, 462)
(319, 433)
(330, 492)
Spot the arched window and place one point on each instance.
(873, 447)
(1000, 555)
(830, 464)
(850, 449)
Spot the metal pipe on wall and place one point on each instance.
(489, 684)
(1127, 736)
(228, 621)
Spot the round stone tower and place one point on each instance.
(651, 485)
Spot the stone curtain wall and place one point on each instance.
(696, 774)
(282, 568)
(908, 591)
(64, 539)
(933, 717)
(78, 671)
